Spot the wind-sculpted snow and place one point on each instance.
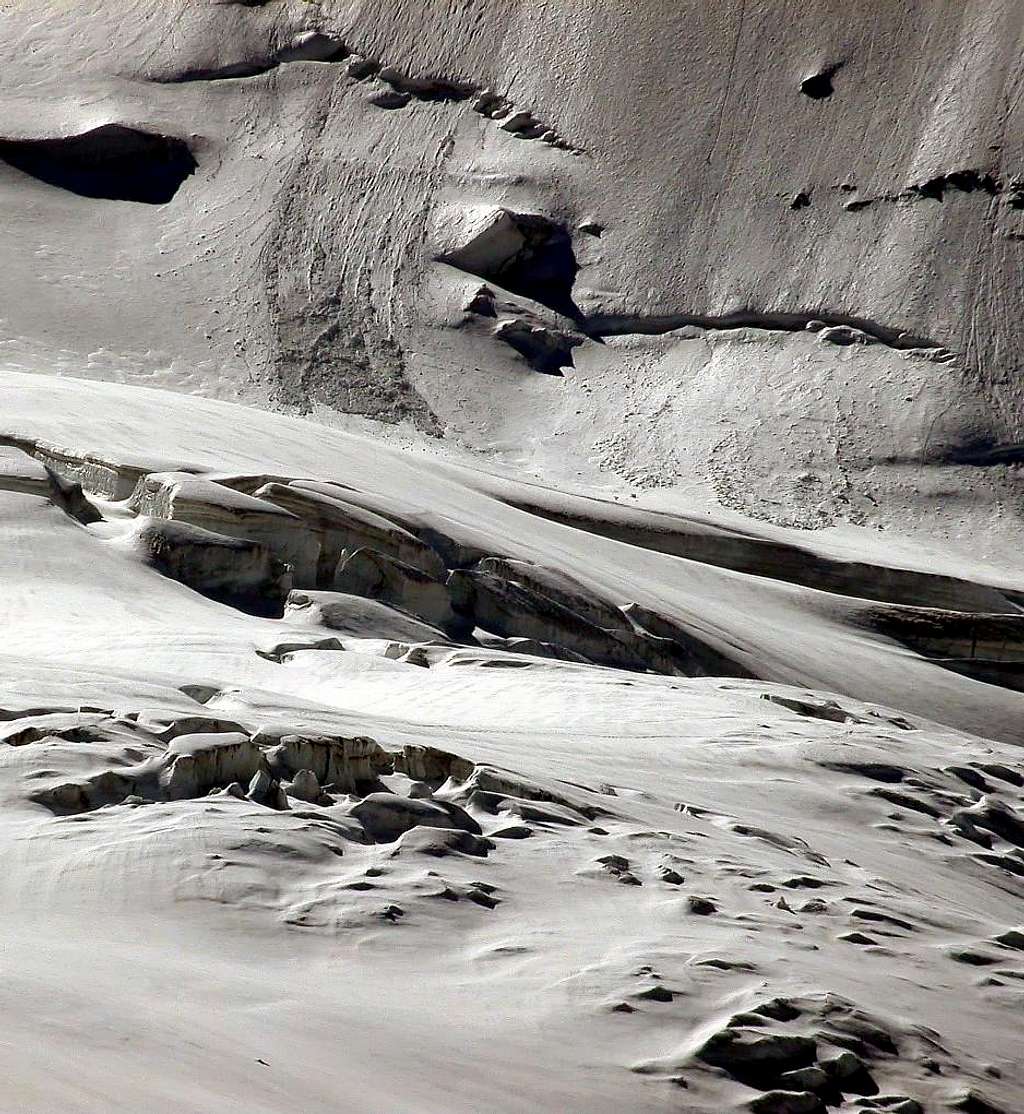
(400, 730)
(747, 275)
(510, 568)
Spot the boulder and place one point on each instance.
(753, 1055)
(441, 842)
(305, 787)
(787, 1102)
(194, 764)
(386, 816)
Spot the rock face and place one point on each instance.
(510, 554)
(220, 509)
(878, 245)
(365, 572)
(196, 763)
(349, 765)
(343, 528)
(242, 572)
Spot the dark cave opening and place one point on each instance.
(526, 254)
(112, 163)
(545, 350)
(819, 86)
(545, 269)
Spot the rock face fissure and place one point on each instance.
(427, 88)
(310, 47)
(983, 456)
(391, 88)
(987, 647)
(938, 188)
(222, 73)
(112, 162)
(533, 256)
(526, 254)
(958, 181)
(838, 328)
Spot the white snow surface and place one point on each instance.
(511, 593)
(210, 953)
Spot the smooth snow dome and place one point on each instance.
(510, 549)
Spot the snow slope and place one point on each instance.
(510, 565)
(218, 952)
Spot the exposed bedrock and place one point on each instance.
(236, 571)
(327, 290)
(212, 506)
(987, 647)
(342, 526)
(112, 162)
(800, 263)
(365, 572)
(23, 473)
